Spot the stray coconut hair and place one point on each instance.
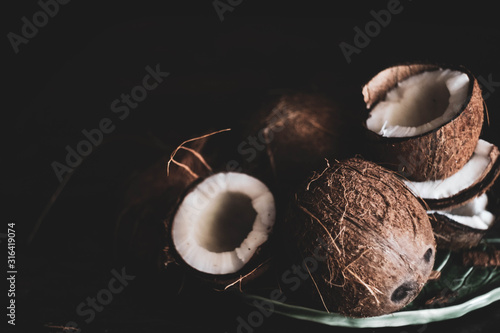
(377, 240)
(221, 223)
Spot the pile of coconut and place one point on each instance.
(425, 123)
(371, 222)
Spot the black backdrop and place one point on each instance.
(64, 79)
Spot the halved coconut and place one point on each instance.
(221, 224)
(474, 179)
(425, 120)
(462, 227)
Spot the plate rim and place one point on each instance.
(396, 319)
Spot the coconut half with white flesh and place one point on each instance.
(222, 223)
(458, 204)
(424, 120)
(464, 226)
(471, 181)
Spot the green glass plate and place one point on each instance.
(458, 291)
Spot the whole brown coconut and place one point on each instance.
(438, 150)
(376, 238)
(298, 131)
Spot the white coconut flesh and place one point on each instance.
(472, 214)
(222, 222)
(420, 103)
(470, 174)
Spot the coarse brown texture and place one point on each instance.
(151, 200)
(149, 197)
(375, 234)
(489, 258)
(300, 130)
(434, 155)
(184, 173)
(487, 179)
(453, 235)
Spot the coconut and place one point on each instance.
(463, 226)
(488, 258)
(222, 222)
(474, 179)
(424, 119)
(376, 238)
(210, 224)
(298, 131)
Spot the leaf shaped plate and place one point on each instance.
(458, 291)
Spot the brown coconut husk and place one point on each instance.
(481, 186)
(302, 129)
(186, 174)
(490, 258)
(148, 199)
(376, 235)
(434, 155)
(452, 235)
(151, 200)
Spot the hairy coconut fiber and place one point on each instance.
(300, 130)
(370, 235)
(149, 197)
(189, 168)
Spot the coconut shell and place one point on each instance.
(216, 151)
(148, 198)
(483, 184)
(452, 235)
(434, 155)
(299, 131)
(150, 201)
(257, 265)
(455, 236)
(488, 258)
(377, 239)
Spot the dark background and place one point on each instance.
(65, 78)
